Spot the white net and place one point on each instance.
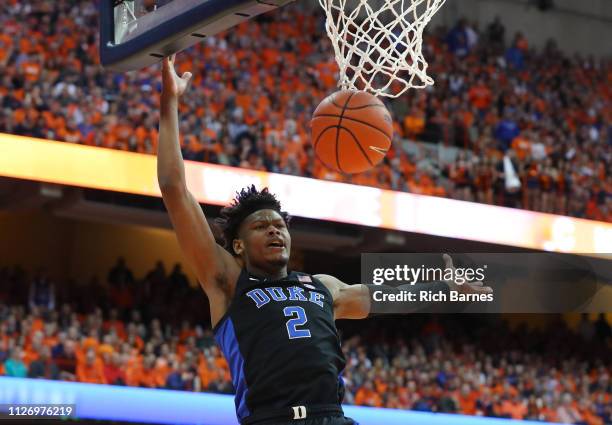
(378, 43)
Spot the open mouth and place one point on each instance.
(276, 244)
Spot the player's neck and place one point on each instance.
(271, 274)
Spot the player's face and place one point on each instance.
(265, 240)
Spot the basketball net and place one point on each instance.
(378, 43)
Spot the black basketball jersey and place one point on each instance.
(281, 342)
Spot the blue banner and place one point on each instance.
(108, 402)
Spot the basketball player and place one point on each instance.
(276, 328)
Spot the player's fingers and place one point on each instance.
(476, 284)
(448, 261)
(484, 290)
(173, 57)
(186, 76)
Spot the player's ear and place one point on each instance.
(238, 246)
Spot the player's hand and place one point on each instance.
(172, 84)
(467, 287)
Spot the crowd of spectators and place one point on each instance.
(532, 127)
(468, 365)
(490, 370)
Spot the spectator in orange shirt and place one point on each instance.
(480, 95)
(393, 402)
(466, 399)
(414, 123)
(146, 375)
(161, 372)
(32, 350)
(513, 407)
(50, 338)
(206, 369)
(32, 67)
(522, 145)
(366, 396)
(91, 369)
(549, 410)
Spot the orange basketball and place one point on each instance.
(351, 131)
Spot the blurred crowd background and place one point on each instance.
(505, 123)
(153, 331)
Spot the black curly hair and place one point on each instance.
(246, 202)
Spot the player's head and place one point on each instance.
(256, 229)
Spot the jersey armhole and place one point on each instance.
(324, 288)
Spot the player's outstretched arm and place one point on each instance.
(209, 260)
(354, 301)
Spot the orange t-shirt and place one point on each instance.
(29, 356)
(467, 404)
(208, 375)
(160, 374)
(480, 96)
(515, 410)
(37, 325)
(413, 125)
(147, 378)
(93, 374)
(366, 397)
(522, 147)
(31, 70)
(50, 341)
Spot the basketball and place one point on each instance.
(351, 131)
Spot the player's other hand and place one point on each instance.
(172, 84)
(467, 287)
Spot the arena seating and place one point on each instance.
(141, 332)
(500, 107)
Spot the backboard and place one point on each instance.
(138, 33)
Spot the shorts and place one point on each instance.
(314, 415)
(325, 420)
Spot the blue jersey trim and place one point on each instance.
(225, 336)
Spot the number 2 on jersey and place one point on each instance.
(298, 318)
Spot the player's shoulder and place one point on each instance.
(331, 283)
(329, 279)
